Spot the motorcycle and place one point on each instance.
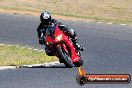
(62, 47)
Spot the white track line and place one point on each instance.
(7, 67)
(43, 65)
(30, 66)
(99, 22)
(2, 44)
(123, 24)
(9, 45)
(109, 23)
(36, 49)
(112, 23)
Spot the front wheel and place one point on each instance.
(78, 63)
(64, 57)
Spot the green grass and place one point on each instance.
(17, 55)
(116, 11)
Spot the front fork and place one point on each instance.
(73, 54)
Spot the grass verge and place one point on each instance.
(17, 55)
(115, 11)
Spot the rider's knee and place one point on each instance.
(72, 33)
(48, 51)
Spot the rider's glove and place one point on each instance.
(42, 41)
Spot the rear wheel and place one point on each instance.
(65, 58)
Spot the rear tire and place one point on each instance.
(64, 58)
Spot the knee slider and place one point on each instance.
(72, 33)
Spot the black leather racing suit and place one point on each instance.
(69, 32)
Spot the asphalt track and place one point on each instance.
(108, 50)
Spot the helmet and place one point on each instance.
(45, 18)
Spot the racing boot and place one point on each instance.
(77, 46)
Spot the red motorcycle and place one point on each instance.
(62, 47)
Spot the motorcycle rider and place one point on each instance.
(46, 21)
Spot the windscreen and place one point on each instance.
(50, 31)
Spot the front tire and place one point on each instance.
(78, 63)
(64, 58)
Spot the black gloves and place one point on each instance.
(42, 41)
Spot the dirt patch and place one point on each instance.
(31, 1)
(115, 11)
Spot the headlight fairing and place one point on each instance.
(59, 38)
